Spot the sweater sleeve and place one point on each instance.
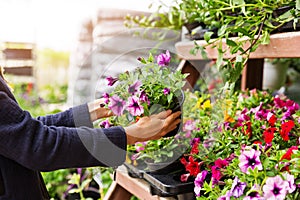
(73, 117)
(41, 147)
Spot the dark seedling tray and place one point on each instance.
(136, 171)
(168, 184)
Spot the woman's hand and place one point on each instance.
(152, 127)
(98, 112)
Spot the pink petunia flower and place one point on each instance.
(275, 188)
(134, 107)
(199, 181)
(117, 105)
(134, 88)
(163, 59)
(249, 159)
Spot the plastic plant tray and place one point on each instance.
(168, 184)
(135, 171)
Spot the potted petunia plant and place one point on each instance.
(151, 88)
(154, 86)
(252, 153)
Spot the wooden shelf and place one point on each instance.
(124, 186)
(282, 45)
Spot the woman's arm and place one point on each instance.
(40, 147)
(82, 115)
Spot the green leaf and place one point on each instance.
(170, 97)
(298, 4)
(207, 35)
(222, 30)
(150, 58)
(243, 31)
(231, 43)
(265, 38)
(75, 190)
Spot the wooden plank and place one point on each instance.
(17, 54)
(116, 192)
(186, 67)
(19, 71)
(282, 45)
(138, 187)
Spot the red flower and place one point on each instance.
(257, 142)
(272, 120)
(195, 146)
(289, 152)
(286, 127)
(269, 134)
(192, 166)
(183, 161)
(247, 130)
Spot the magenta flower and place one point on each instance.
(140, 146)
(134, 107)
(166, 91)
(237, 188)
(144, 97)
(163, 59)
(117, 105)
(106, 97)
(199, 181)
(279, 103)
(221, 163)
(226, 196)
(216, 173)
(134, 156)
(292, 106)
(134, 88)
(249, 159)
(243, 116)
(184, 177)
(275, 188)
(110, 80)
(254, 195)
(105, 124)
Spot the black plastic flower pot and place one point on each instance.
(288, 26)
(164, 167)
(179, 101)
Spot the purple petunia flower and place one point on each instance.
(117, 105)
(189, 125)
(237, 188)
(226, 196)
(163, 59)
(144, 97)
(105, 124)
(140, 146)
(134, 107)
(135, 156)
(275, 188)
(134, 88)
(290, 180)
(199, 181)
(254, 195)
(106, 97)
(110, 80)
(249, 159)
(166, 91)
